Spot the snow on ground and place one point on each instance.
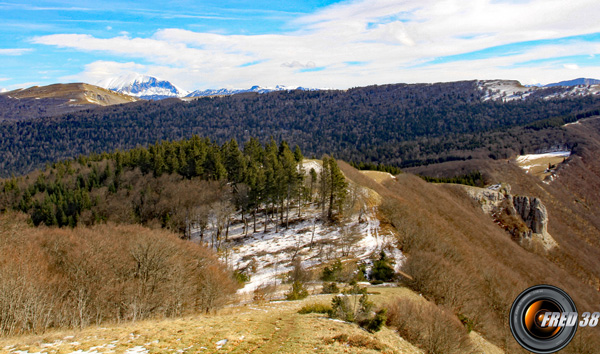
(506, 90)
(315, 164)
(531, 157)
(267, 257)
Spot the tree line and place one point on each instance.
(189, 185)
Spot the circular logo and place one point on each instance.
(543, 319)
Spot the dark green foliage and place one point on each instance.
(298, 291)
(383, 269)
(241, 277)
(394, 170)
(467, 322)
(314, 308)
(353, 305)
(399, 125)
(330, 288)
(470, 179)
(376, 323)
(332, 273)
(333, 187)
(248, 179)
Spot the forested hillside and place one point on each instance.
(402, 125)
(177, 185)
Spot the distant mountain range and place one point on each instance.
(143, 86)
(576, 82)
(257, 89)
(152, 88)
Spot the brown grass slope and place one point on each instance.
(462, 260)
(74, 94)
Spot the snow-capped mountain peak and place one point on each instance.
(255, 88)
(143, 86)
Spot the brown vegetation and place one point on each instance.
(461, 259)
(433, 329)
(76, 277)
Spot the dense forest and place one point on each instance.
(183, 185)
(401, 125)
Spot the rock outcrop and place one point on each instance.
(533, 213)
(524, 217)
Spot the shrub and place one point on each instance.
(374, 324)
(358, 341)
(315, 308)
(354, 306)
(298, 291)
(383, 269)
(77, 277)
(330, 288)
(333, 273)
(426, 325)
(467, 322)
(241, 277)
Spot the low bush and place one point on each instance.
(330, 288)
(53, 278)
(358, 341)
(298, 291)
(428, 326)
(315, 308)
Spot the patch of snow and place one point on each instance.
(221, 343)
(531, 157)
(495, 187)
(314, 164)
(53, 344)
(267, 257)
(506, 90)
(137, 350)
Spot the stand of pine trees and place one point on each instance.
(182, 185)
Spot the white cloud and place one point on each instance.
(571, 66)
(389, 36)
(297, 64)
(15, 51)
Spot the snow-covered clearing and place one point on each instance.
(507, 90)
(543, 165)
(531, 157)
(267, 256)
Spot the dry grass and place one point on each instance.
(539, 167)
(378, 176)
(273, 327)
(460, 259)
(78, 94)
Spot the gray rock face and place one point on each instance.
(533, 212)
(497, 200)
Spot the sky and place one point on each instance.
(309, 43)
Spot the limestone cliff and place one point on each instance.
(524, 217)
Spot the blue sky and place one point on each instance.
(313, 43)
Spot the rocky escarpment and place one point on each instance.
(524, 217)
